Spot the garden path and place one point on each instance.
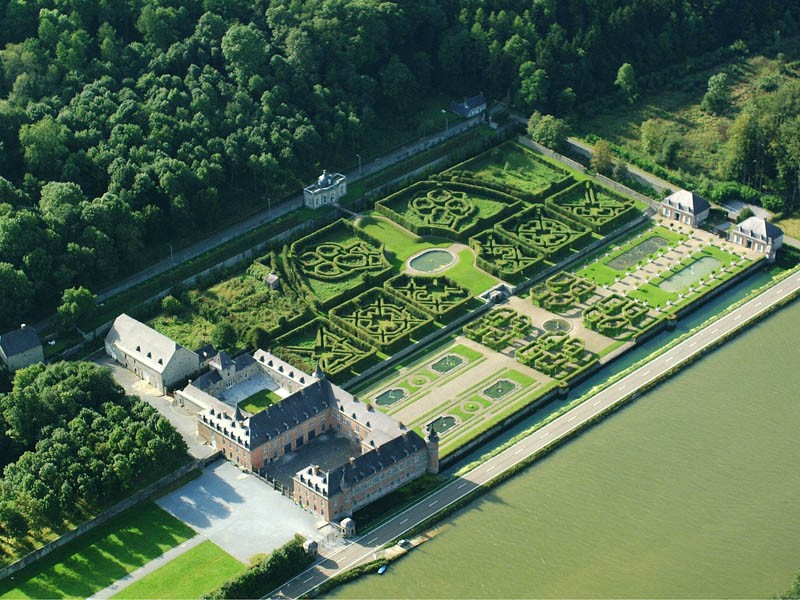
(595, 342)
(466, 376)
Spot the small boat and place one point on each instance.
(382, 570)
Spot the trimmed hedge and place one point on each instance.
(355, 317)
(436, 295)
(577, 236)
(625, 211)
(279, 567)
(505, 257)
(390, 208)
(499, 328)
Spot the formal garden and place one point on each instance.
(498, 328)
(439, 296)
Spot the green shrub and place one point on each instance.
(279, 567)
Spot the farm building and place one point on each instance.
(21, 348)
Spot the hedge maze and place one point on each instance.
(556, 354)
(502, 256)
(600, 211)
(562, 291)
(380, 318)
(541, 230)
(321, 342)
(448, 208)
(437, 296)
(617, 316)
(499, 328)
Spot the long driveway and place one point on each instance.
(364, 548)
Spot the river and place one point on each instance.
(689, 492)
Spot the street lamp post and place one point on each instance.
(359, 163)
(171, 257)
(446, 120)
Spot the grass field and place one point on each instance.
(98, 559)
(402, 243)
(190, 575)
(259, 401)
(511, 164)
(465, 273)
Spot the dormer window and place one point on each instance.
(138, 348)
(149, 355)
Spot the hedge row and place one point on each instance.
(630, 213)
(581, 238)
(387, 206)
(337, 316)
(442, 310)
(279, 567)
(496, 267)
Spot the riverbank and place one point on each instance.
(532, 447)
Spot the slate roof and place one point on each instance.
(463, 108)
(19, 341)
(758, 228)
(142, 342)
(325, 181)
(206, 352)
(687, 202)
(372, 462)
(292, 410)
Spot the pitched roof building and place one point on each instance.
(685, 207)
(152, 356)
(758, 234)
(21, 348)
(388, 455)
(471, 107)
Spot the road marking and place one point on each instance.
(646, 373)
(372, 541)
(434, 503)
(737, 317)
(596, 403)
(669, 358)
(406, 519)
(519, 451)
(622, 387)
(545, 433)
(716, 329)
(693, 344)
(571, 419)
(461, 486)
(759, 304)
(490, 468)
(309, 579)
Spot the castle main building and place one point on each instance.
(390, 453)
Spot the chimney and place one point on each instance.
(22, 325)
(352, 462)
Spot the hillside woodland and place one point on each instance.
(128, 123)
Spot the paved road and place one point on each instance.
(284, 207)
(364, 548)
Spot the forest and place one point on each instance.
(71, 443)
(127, 124)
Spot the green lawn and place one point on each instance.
(402, 243)
(465, 273)
(511, 164)
(101, 557)
(259, 401)
(190, 575)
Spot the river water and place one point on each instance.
(692, 491)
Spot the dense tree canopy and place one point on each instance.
(123, 122)
(71, 442)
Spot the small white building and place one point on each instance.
(471, 107)
(152, 356)
(21, 348)
(326, 190)
(685, 207)
(758, 234)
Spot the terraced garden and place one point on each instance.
(618, 317)
(541, 230)
(498, 328)
(502, 255)
(320, 342)
(438, 296)
(336, 260)
(599, 209)
(513, 165)
(562, 291)
(447, 208)
(381, 319)
(556, 354)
